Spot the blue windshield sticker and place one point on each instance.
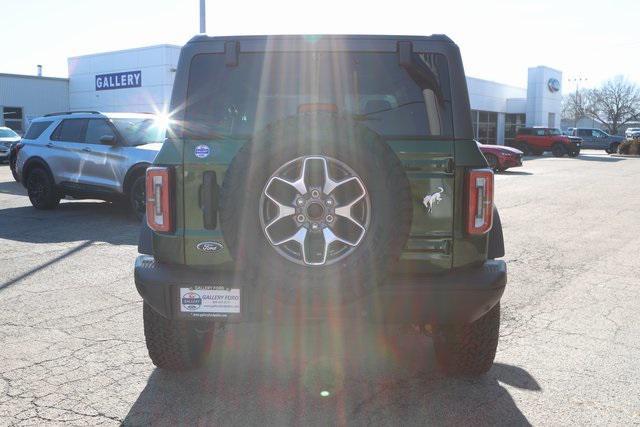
(202, 151)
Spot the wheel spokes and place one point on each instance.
(299, 236)
(328, 211)
(284, 211)
(345, 211)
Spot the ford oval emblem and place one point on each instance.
(554, 85)
(209, 246)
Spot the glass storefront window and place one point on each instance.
(13, 118)
(485, 126)
(512, 123)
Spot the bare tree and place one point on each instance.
(573, 107)
(613, 104)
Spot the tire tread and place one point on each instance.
(469, 350)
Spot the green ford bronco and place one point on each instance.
(311, 177)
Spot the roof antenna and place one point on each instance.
(203, 25)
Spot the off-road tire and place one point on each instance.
(558, 150)
(525, 148)
(175, 345)
(41, 189)
(336, 137)
(468, 350)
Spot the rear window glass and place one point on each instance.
(266, 87)
(8, 133)
(36, 129)
(138, 131)
(71, 130)
(96, 129)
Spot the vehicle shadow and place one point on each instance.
(369, 382)
(593, 157)
(71, 221)
(508, 172)
(12, 187)
(596, 158)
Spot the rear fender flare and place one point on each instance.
(30, 164)
(496, 239)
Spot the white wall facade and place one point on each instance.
(35, 95)
(543, 99)
(156, 67)
(486, 95)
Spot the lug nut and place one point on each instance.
(329, 218)
(314, 226)
(299, 201)
(329, 202)
(315, 194)
(300, 218)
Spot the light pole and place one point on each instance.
(578, 99)
(203, 25)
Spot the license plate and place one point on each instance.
(209, 300)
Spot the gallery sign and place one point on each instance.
(121, 80)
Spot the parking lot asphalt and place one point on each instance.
(72, 345)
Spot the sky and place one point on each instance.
(499, 40)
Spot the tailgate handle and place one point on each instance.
(209, 199)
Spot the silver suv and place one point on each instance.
(89, 155)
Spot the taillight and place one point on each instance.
(158, 194)
(480, 201)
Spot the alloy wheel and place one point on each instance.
(138, 198)
(36, 188)
(314, 210)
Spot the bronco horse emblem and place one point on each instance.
(431, 200)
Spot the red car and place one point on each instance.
(500, 157)
(536, 140)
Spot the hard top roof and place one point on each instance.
(92, 115)
(316, 37)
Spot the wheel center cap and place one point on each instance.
(315, 211)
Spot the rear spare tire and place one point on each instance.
(316, 205)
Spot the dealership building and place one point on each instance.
(141, 79)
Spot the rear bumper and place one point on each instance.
(461, 296)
